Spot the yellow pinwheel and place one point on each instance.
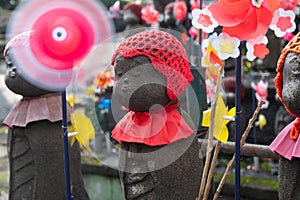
(222, 117)
(262, 121)
(211, 60)
(72, 100)
(84, 128)
(90, 91)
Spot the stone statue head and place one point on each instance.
(18, 84)
(151, 68)
(287, 80)
(132, 14)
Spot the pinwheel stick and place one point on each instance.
(212, 170)
(243, 141)
(210, 135)
(66, 145)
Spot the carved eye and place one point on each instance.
(12, 72)
(295, 65)
(119, 74)
(59, 34)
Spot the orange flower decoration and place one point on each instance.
(104, 79)
(180, 10)
(150, 15)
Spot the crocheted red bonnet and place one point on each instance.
(136, 8)
(292, 46)
(166, 54)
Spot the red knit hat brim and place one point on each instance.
(136, 9)
(166, 54)
(292, 46)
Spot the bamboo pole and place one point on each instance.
(212, 170)
(251, 150)
(208, 156)
(243, 141)
(210, 135)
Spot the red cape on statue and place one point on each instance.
(159, 127)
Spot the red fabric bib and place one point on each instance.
(159, 127)
(31, 109)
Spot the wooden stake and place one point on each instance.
(243, 141)
(210, 135)
(212, 170)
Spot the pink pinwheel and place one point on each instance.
(202, 19)
(105, 79)
(288, 36)
(114, 9)
(150, 15)
(195, 4)
(261, 89)
(257, 48)
(288, 4)
(180, 10)
(244, 19)
(283, 22)
(226, 46)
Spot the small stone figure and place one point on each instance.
(35, 141)
(174, 14)
(286, 144)
(132, 16)
(159, 152)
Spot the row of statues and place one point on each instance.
(159, 154)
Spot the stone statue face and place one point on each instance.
(138, 85)
(130, 17)
(169, 18)
(17, 84)
(291, 82)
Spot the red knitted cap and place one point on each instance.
(19, 40)
(136, 8)
(179, 9)
(292, 46)
(166, 54)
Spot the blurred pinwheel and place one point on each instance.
(72, 99)
(84, 129)
(180, 10)
(262, 121)
(105, 79)
(211, 60)
(261, 92)
(288, 4)
(150, 15)
(104, 106)
(114, 10)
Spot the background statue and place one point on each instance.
(35, 141)
(174, 14)
(132, 16)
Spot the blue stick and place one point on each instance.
(66, 145)
(238, 78)
(200, 37)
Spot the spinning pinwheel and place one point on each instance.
(58, 34)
